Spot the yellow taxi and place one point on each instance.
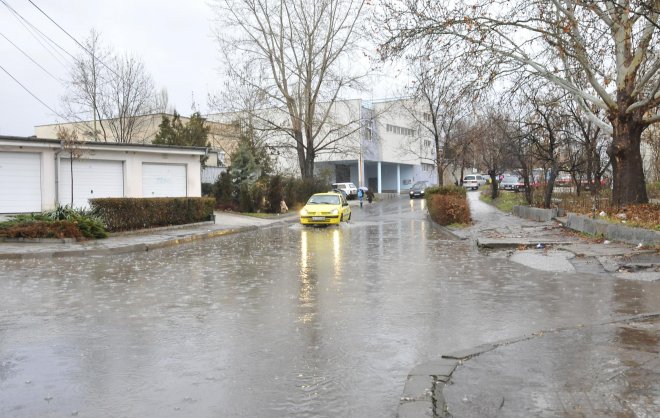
(325, 209)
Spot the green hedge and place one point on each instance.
(124, 214)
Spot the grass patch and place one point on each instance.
(505, 201)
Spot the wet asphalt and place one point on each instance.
(267, 318)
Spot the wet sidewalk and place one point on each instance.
(609, 369)
(549, 246)
(138, 241)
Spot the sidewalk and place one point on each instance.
(145, 240)
(605, 369)
(549, 246)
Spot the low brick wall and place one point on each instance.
(614, 232)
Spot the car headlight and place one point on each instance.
(303, 212)
(335, 212)
(422, 192)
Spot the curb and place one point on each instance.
(423, 393)
(140, 247)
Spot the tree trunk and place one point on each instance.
(554, 170)
(627, 165)
(494, 187)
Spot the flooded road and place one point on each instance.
(282, 321)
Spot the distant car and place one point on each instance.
(348, 188)
(417, 189)
(512, 183)
(472, 181)
(325, 209)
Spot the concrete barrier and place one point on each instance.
(614, 232)
(535, 214)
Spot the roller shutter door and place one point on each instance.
(164, 180)
(20, 182)
(91, 179)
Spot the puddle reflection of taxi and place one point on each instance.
(325, 209)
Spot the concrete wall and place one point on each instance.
(614, 232)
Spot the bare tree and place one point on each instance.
(71, 145)
(85, 88)
(129, 94)
(613, 45)
(107, 94)
(440, 93)
(304, 48)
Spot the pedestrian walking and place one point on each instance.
(360, 196)
(370, 196)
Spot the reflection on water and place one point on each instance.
(418, 205)
(285, 321)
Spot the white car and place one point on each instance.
(348, 188)
(473, 181)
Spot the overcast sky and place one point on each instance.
(172, 37)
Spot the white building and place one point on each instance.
(37, 173)
(375, 144)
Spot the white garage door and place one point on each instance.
(20, 182)
(163, 180)
(91, 179)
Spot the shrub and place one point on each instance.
(274, 195)
(123, 214)
(447, 209)
(87, 223)
(41, 229)
(446, 191)
(225, 192)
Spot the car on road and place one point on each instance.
(417, 189)
(348, 188)
(473, 181)
(513, 183)
(325, 209)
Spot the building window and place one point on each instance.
(427, 143)
(427, 167)
(427, 117)
(400, 130)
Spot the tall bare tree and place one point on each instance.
(440, 94)
(613, 45)
(304, 47)
(107, 93)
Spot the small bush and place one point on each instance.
(41, 229)
(87, 223)
(447, 209)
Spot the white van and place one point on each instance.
(348, 188)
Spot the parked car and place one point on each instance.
(348, 188)
(325, 209)
(417, 189)
(473, 181)
(513, 183)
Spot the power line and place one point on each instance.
(30, 58)
(32, 29)
(28, 90)
(74, 39)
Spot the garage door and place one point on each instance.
(91, 179)
(163, 180)
(20, 189)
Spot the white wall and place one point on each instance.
(133, 158)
